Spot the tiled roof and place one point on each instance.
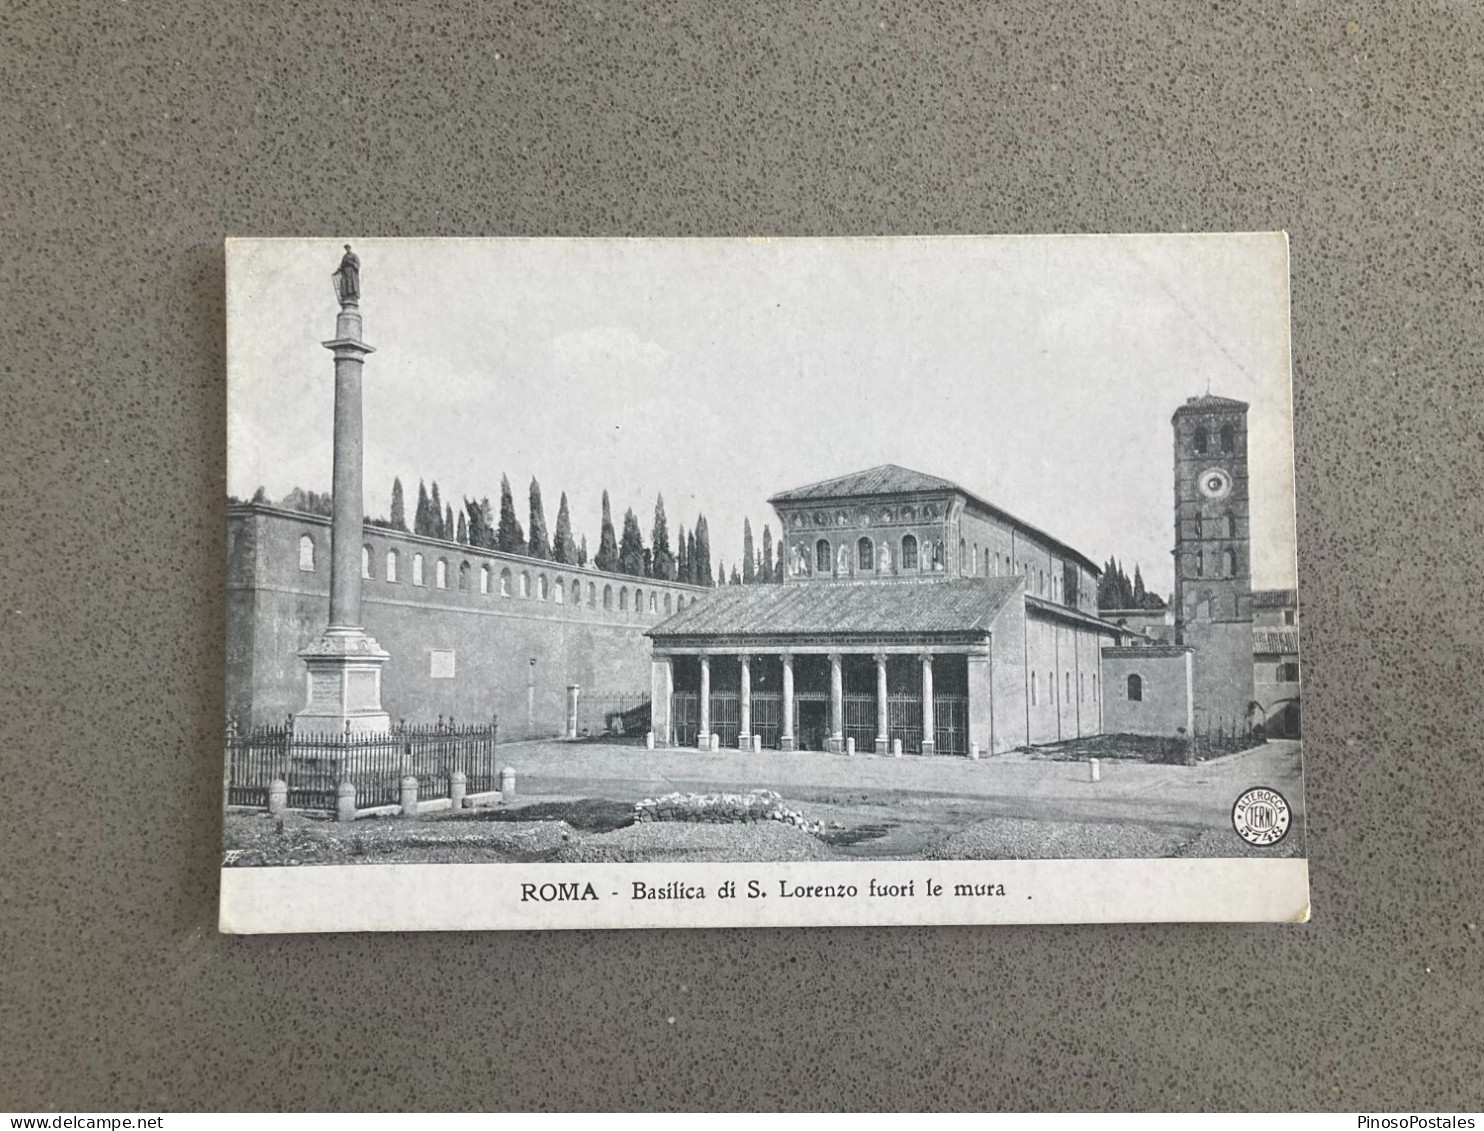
(1277, 641)
(1275, 598)
(888, 479)
(1199, 404)
(865, 607)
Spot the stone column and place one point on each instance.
(744, 710)
(786, 740)
(573, 691)
(881, 720)
(928, 744)
(345, 663)
(703, 730)
(837, 704)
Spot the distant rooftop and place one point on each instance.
(1209, 401)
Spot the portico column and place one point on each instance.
(882, 742)
(837, 704)
(744, 709)
(927, 705)
(703, 731)
(786, 740)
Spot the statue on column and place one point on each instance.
(347, 277)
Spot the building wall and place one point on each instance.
(1165, 675)
(275, 609)
(1222, 680)
(1059, 700)
(1008, 685)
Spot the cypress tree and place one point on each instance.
(1139, 594)
(749, 571)
(487, 514)
(399, 508)
(766, 573)
(435, 513)
(540, 544)
(509, 537)
(735, 579)
(478, 529)
(463, 530)
(607, 559)
(648, 562)
(562, 548)
(690, 559)
(663, 565)
(582, 552)
(702, 567)
(260, 495)
(631, 546)
(420, 523)
(681, 565)
(448, 527)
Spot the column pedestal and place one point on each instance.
(344, 685)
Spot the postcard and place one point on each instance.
(581, 583)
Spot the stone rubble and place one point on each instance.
(724, 808)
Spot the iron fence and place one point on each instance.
(860, 720)
(685, 715)
(951, 724)
(726, 716)
(904, 721)
(767, 719)
(613, 712)
(314, 765)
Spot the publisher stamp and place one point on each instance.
(1261, 816)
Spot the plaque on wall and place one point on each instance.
(987, 678)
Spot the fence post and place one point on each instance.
(278, 797)
(345, 801)
(458, 784)
(507, 783)
(850, 744)
(1094, 770)
(409, 796)
(896, 748)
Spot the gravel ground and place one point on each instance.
(1226, 842)
(257, 839)
(1009, 838)
(674, 841)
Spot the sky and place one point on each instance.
(1037, 372)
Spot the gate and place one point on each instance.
(685, 718)
(767, 719)
(904, 721)
(951, 724)
(811, 719)
(860, 721)
(726, 716)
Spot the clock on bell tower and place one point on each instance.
(1213, 561)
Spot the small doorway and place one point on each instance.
(812, 722)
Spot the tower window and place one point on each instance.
(822, 556)
(1135, 689)
(1200, 563)
(1202, 439)
(1231, 525)
(1200, 526)
(1228, 438)
(1230, 561)
(909, 552)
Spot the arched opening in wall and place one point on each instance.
(638, 600)
(484, 580)
(1231, 524)
(505, 583)
(525, 584)
(865, 555)
(391, 565)
(464, 569)
(1228, 438)
(366, 562)
(592, 594)
(653, 606)
(1229, 560)
(417, 569)
(623, 599)
(306, 553)
(1202, 440)
(1200, 563)
(542, 589)
(1200, 526)
(577, 593)
(909, 552)
(1135, 689)
(607, 596)
(822, 555)
(559, 591)
(440, 573)
(667, 604)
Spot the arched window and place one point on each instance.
(391, 565)
(542, 592)
(1200, 526)
(679, 603)
(366, 562)
(505, 583)
(799, 561)
(822, 556)
(1228, 438)
(623, 599)
(577, 593)
(1135, 689)
(1200, 563)
(667, 604)
(638, 600)
(592, 594)
(559, 591)
(1231, 525)
(1229, 560)
(865, 555)
(525, 584)
(1202, 439)
(440, 573)
(417, 569)
(607, 596)
(909, 552)
(653, 603)
(306, 553)
(484, 580)
(464, 568)
(963, 558)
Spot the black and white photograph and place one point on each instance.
(679, 582)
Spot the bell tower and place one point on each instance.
(1213, 558)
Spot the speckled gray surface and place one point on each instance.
(137, 135)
